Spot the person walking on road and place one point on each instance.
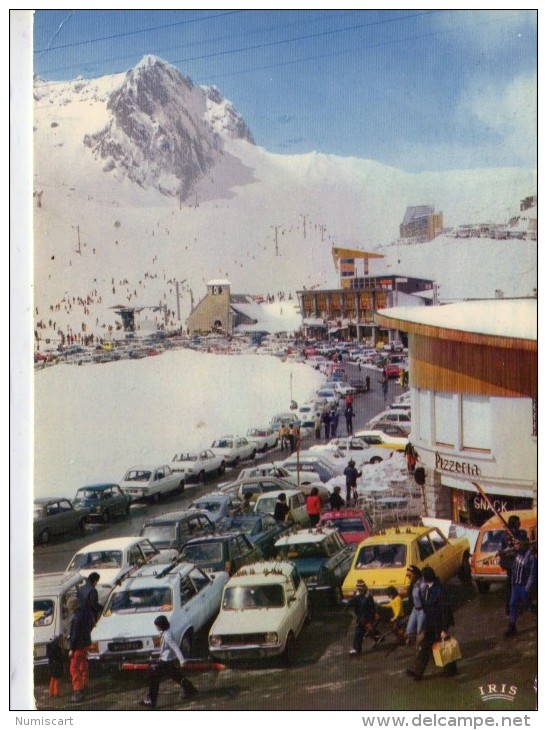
(523, 577)
(169, 666)
(335, 500)
(385, 382)
(326, 423)
(351, 474)
(317, 426)
(366, 617)
(507, 554)
(438, 619)
(349, 414)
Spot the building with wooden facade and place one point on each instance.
(347, 313)
(474, 387)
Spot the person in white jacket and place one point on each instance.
(169, 666)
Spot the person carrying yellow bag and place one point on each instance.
(438, 619)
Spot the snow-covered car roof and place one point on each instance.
(306, 536)
(269, 571)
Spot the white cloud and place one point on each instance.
(507, 113)
(489, 31)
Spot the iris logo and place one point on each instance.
(498, 692)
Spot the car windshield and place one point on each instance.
(137, 475)
(388, 555)
(301, 550)
(348, 525)
(204, 552)
(222, 444)
(88, 495)
(160, 534)
(257, 432)
(249, 597)
(491, 541)
(207, 506)
(266, 506)
(185, 457)
(97, 559)
(44, 609)
(140, 600)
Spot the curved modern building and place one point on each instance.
(473, 380)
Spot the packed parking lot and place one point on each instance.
(195, 496)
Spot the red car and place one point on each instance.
(354, 525)
(392, 370)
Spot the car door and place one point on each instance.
(67, 517)
(208, 594)
(118, 500)
(297, 507)
(426, 551)
(446, 556)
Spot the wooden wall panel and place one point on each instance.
(463, 367)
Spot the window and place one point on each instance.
(437, 540)
(425, 548)
(446, 421)
(187, 590)
(476, 422)
(199, 579)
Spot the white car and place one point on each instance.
(196, 465)
(401, 417)
(296, 502)
(310, 469)
(329, 395)
(234, 449)
(382, 439)
(266, 470)
(264, 438)
(342, 388)
(112, 559)
(264, 608)
(216, 505)
(151, 482)
(51, 616)
(185, 594)
(359, 450)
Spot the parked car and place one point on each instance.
(342, 387)
(382, 560)
(56, 516)
(328, 394)
(187, 596)
(171, 531)
(264, 608)
(392, 370)
(195, 466)
(151, 482)
(223, 551)
(216, 505)
(234, 449)
(264, 470)
(311, 468)
(264, 438)
(357, 449)
(485, 561)
(113, 559)
(354, 525)
(285, 418)
(51, 616)
(103, 501)
(265, 504)
(262, 530)
(402, 418)
(260, 485)
(383, 439)
(322, 557)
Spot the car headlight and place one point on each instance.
(311, 580)
(156, 641)
(272, 637)
(215, 640)
(94, 647)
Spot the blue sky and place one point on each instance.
(414, 89)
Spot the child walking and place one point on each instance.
(55, 661)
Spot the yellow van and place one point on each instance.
(485, 563)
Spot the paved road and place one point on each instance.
(324, 677)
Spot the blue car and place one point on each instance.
(262, 530)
